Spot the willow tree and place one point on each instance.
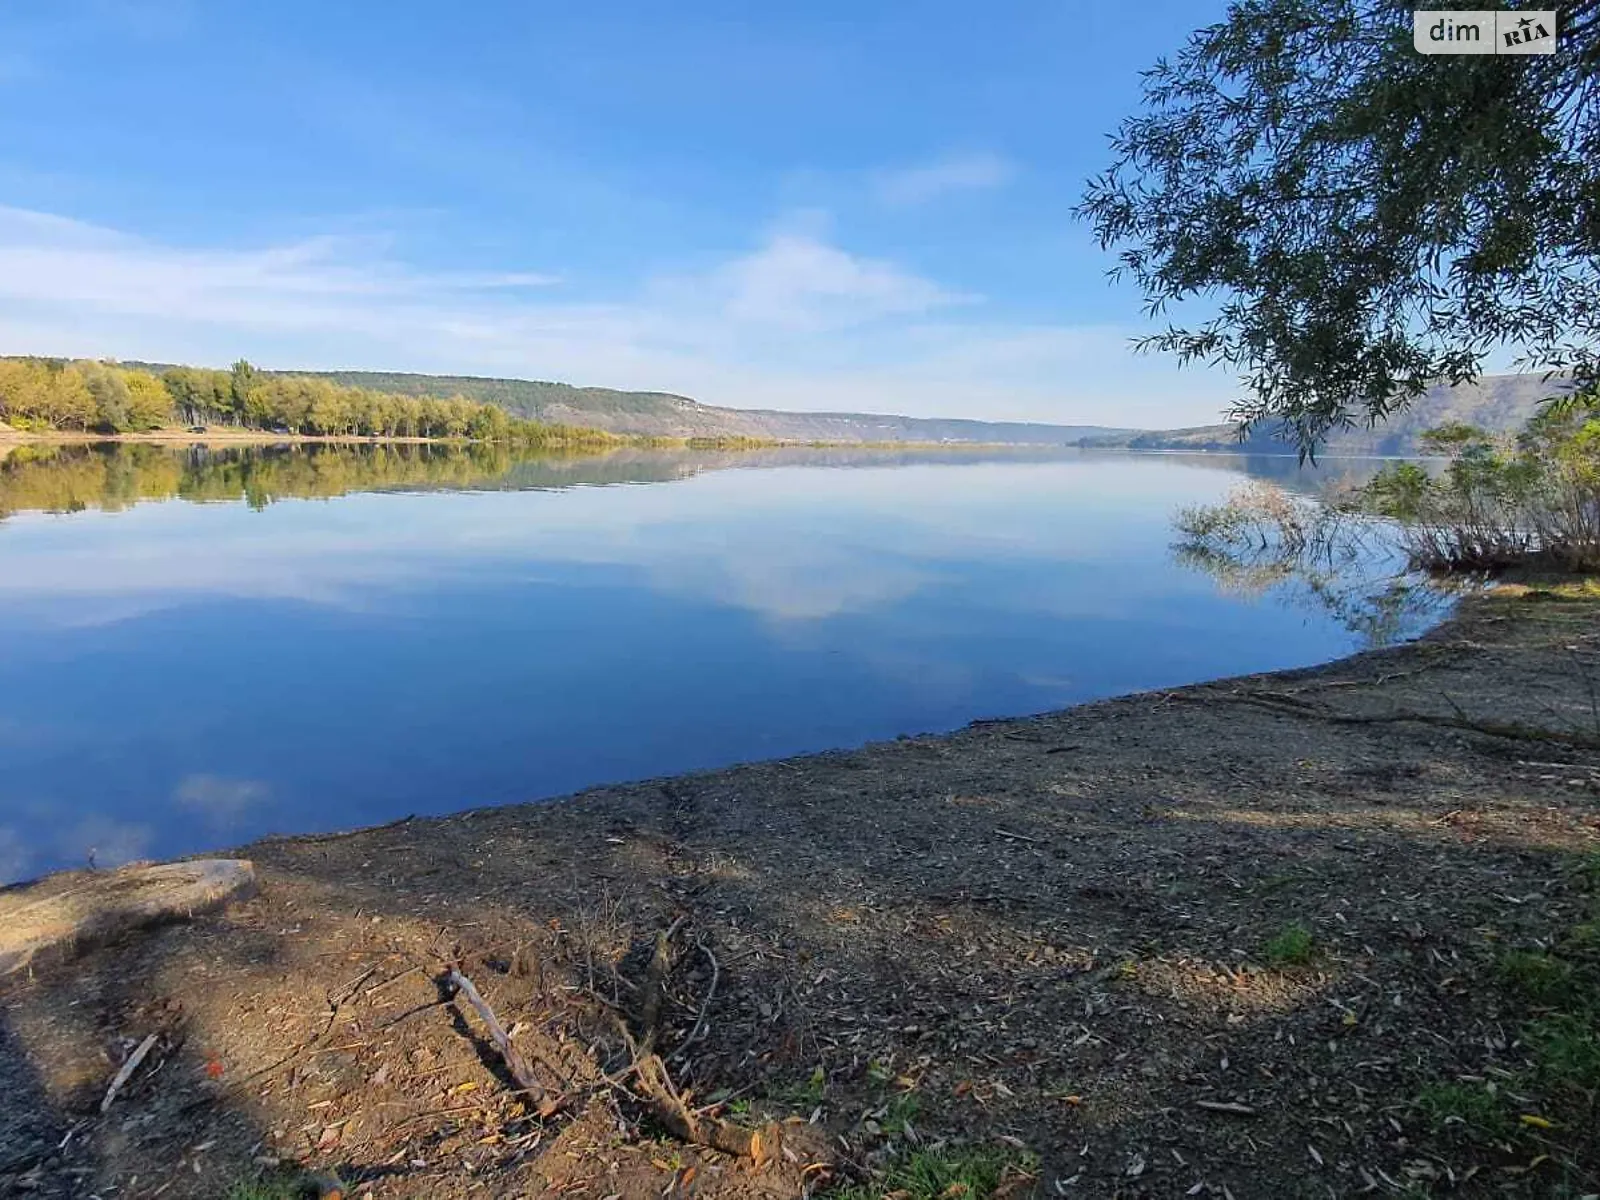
(1306, 199)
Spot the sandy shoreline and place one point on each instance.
(1058, 939)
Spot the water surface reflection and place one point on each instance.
(333, 637)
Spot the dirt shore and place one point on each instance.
(1302, 934)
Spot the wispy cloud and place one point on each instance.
(797, 321)
(919, 184)
(46, 258)
(797, 282)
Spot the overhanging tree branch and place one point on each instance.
(1364, 220)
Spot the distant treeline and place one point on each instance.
(52, 394)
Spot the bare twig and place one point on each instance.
(691, 1126)
(348, 991)
(396, 978)
(655, 986)
(699, 1029)
(1017, 837)
(515, 1063)
(128, 1068)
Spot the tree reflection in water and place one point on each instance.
(1314, 553)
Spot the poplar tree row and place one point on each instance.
(49, 394)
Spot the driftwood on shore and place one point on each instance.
(63, 914)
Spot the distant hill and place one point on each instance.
(661, 414)
(1497, 403)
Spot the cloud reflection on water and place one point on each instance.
(185, 675)
(770, 542)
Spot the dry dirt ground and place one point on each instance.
(1320, 933)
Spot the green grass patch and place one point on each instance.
(1586, 869)
(951, 1173)
(1291, 946)
(1566, 1050)
(1468, 1108)
(899, 1113)
(1274, 883)
(1538, 977)
(804, 1093)
(1582, 940)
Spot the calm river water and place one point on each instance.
(201, 647)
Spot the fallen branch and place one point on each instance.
(655, 984)
(687, 1125)
(515, 1063)
(654, 1082)
(126, 1073)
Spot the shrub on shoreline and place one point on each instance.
(1528, 501)
(1496, 503)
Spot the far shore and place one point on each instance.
(223, 435)
(218, 435)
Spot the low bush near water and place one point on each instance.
(1497, 502)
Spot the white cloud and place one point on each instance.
(796, 322)
(509, 279)
(800, 283)
(930, 181)
(50, 259)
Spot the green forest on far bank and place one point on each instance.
(38, 394)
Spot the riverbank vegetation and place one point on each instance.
(1312, 555)
(1499, 502)
(38, 395)
(1484, 505)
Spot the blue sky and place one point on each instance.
(793, 205)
